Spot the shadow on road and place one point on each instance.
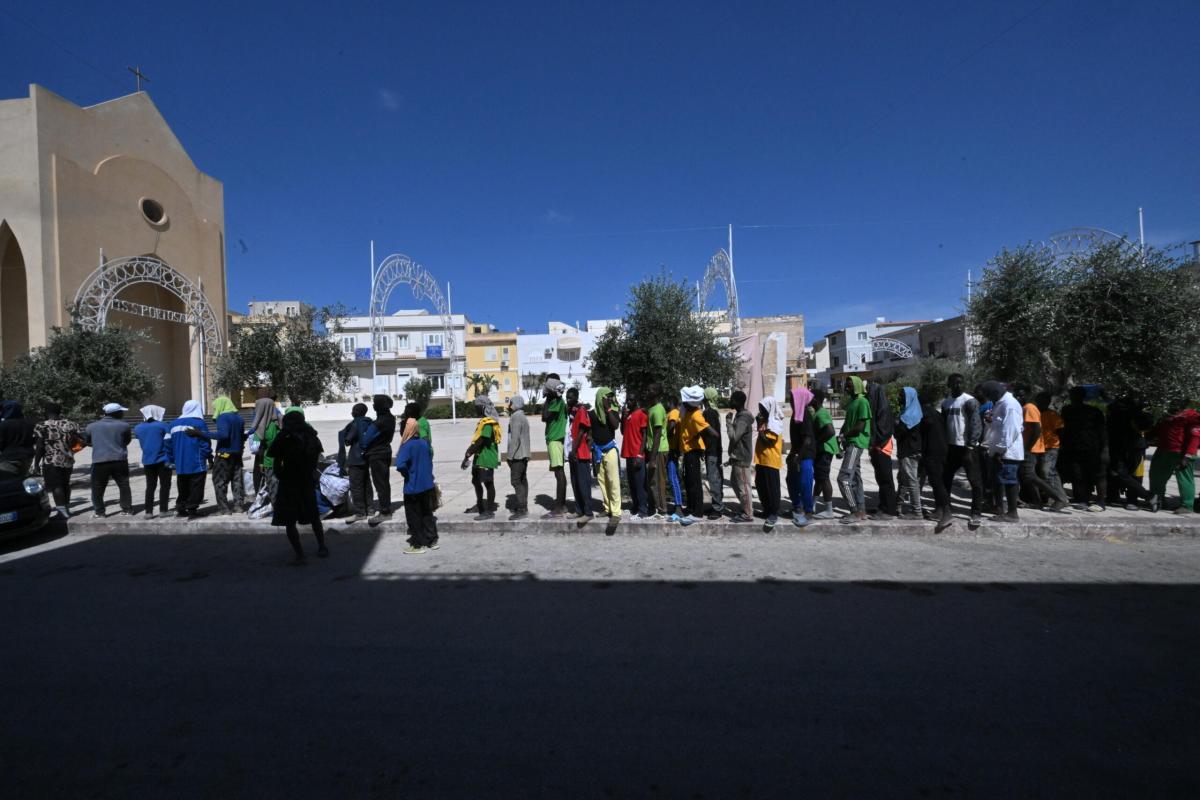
(200, 666)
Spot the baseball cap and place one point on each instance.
(110, 408)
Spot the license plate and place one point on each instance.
(10, 516)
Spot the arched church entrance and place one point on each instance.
(14, 298)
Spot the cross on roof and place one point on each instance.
(137, 73)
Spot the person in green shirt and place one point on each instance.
(827, 448)
(656, 450)
(554, 415)
(483, 455)
(856, 434)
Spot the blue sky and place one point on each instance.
(544, 156)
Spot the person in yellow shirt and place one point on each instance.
(695, 435)
(673, 444)
(768, 458)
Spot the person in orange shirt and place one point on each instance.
(695, 437)
(1035, 489)
(768, 458)
(1047, 460)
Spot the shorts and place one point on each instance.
(821, 465)
(555, 449)
(1008, 473)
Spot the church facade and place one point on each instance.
(103, 215)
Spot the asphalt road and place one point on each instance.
(586, 666)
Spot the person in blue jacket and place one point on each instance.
(415, 462)
(191, 453)
(227, 467)
(154, 436)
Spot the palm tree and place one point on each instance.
(480, 384)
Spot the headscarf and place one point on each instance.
(912, 413)
(692, 395)
(153, 413)
(602, 393)
(710, 394)
(412, 410)
(411, 426)
(857, 383)
(801, 397)
(517, 402)
(299, 434)
(192, 408)
(883, 424)
(774, 415)
(223, 405)
(296, 409)
(553, 385)
(293, 420)
(486, 407)
(11, 409)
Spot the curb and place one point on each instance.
(1157, 527)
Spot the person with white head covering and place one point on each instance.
(695, 436)
(154, 436)
(768, 458)
(191, 453)
(554, 416)
(518, 455)
(109, 439)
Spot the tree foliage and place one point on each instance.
(293, 357)
(81, 370)
(481, 384)
(661, 339)
(419, 390)
(1112, 315)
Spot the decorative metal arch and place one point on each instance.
(1074, 241)
(721, 269)
(893, 346)
(395, 270)
(97, 296)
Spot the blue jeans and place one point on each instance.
(673, 479)
(800, 485)
(635, 473)
(581, 485)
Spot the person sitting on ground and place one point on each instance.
(296, 452)
(1178, 438)
(414, 461)
(483, 458)
(154, 436)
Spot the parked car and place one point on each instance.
(24, 506)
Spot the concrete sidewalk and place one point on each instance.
(450, 441)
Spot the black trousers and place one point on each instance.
(519, 474)
(1121, 478)
(360, 488)
(58, 483)
(1089, 473)
(935, 473)
(888, 499)
(190, 493)
(693, 482)
(766, 483)
(381, 479)
(635, 473)
(967, 459)
(118, 472)
(158, 477)
(418, 514)
(227, 474)
(581, 485)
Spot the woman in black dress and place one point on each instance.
(296, 451)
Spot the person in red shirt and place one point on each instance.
(581, 454)
(634, 421)
(1178, 438)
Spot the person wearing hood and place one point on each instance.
(227, 463)
(414, 460)
(634, 424)
(933, 460)
(1178, 438)
(56, 441)
(554, 416)
(518, 455)
(16, 440)
(856, 435)
(714, 476)
(803, 435)
(964, 432)
(1005, 441)
(880, 452)
(483, 458)
(154, 436)
(1085, 448)
(265, 412)
(768, 458)
(739, 426)
(350, 440)
(191, 452)
(605, 424)
(827, 448)
(109, 438)
(908, 449)
(377, 450)
(580, 456)
(296, 452)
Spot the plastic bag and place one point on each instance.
(255, 444)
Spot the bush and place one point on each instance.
(442, 411)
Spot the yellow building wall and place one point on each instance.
(478, 362)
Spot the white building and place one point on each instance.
(853, 350)
(412, 345)
(563, 349)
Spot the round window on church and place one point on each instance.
(153, 211)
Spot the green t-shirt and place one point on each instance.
(423, 432)
(556, 428)
(825, 418)
(657, 418)
(858, 409)
(489, 456)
